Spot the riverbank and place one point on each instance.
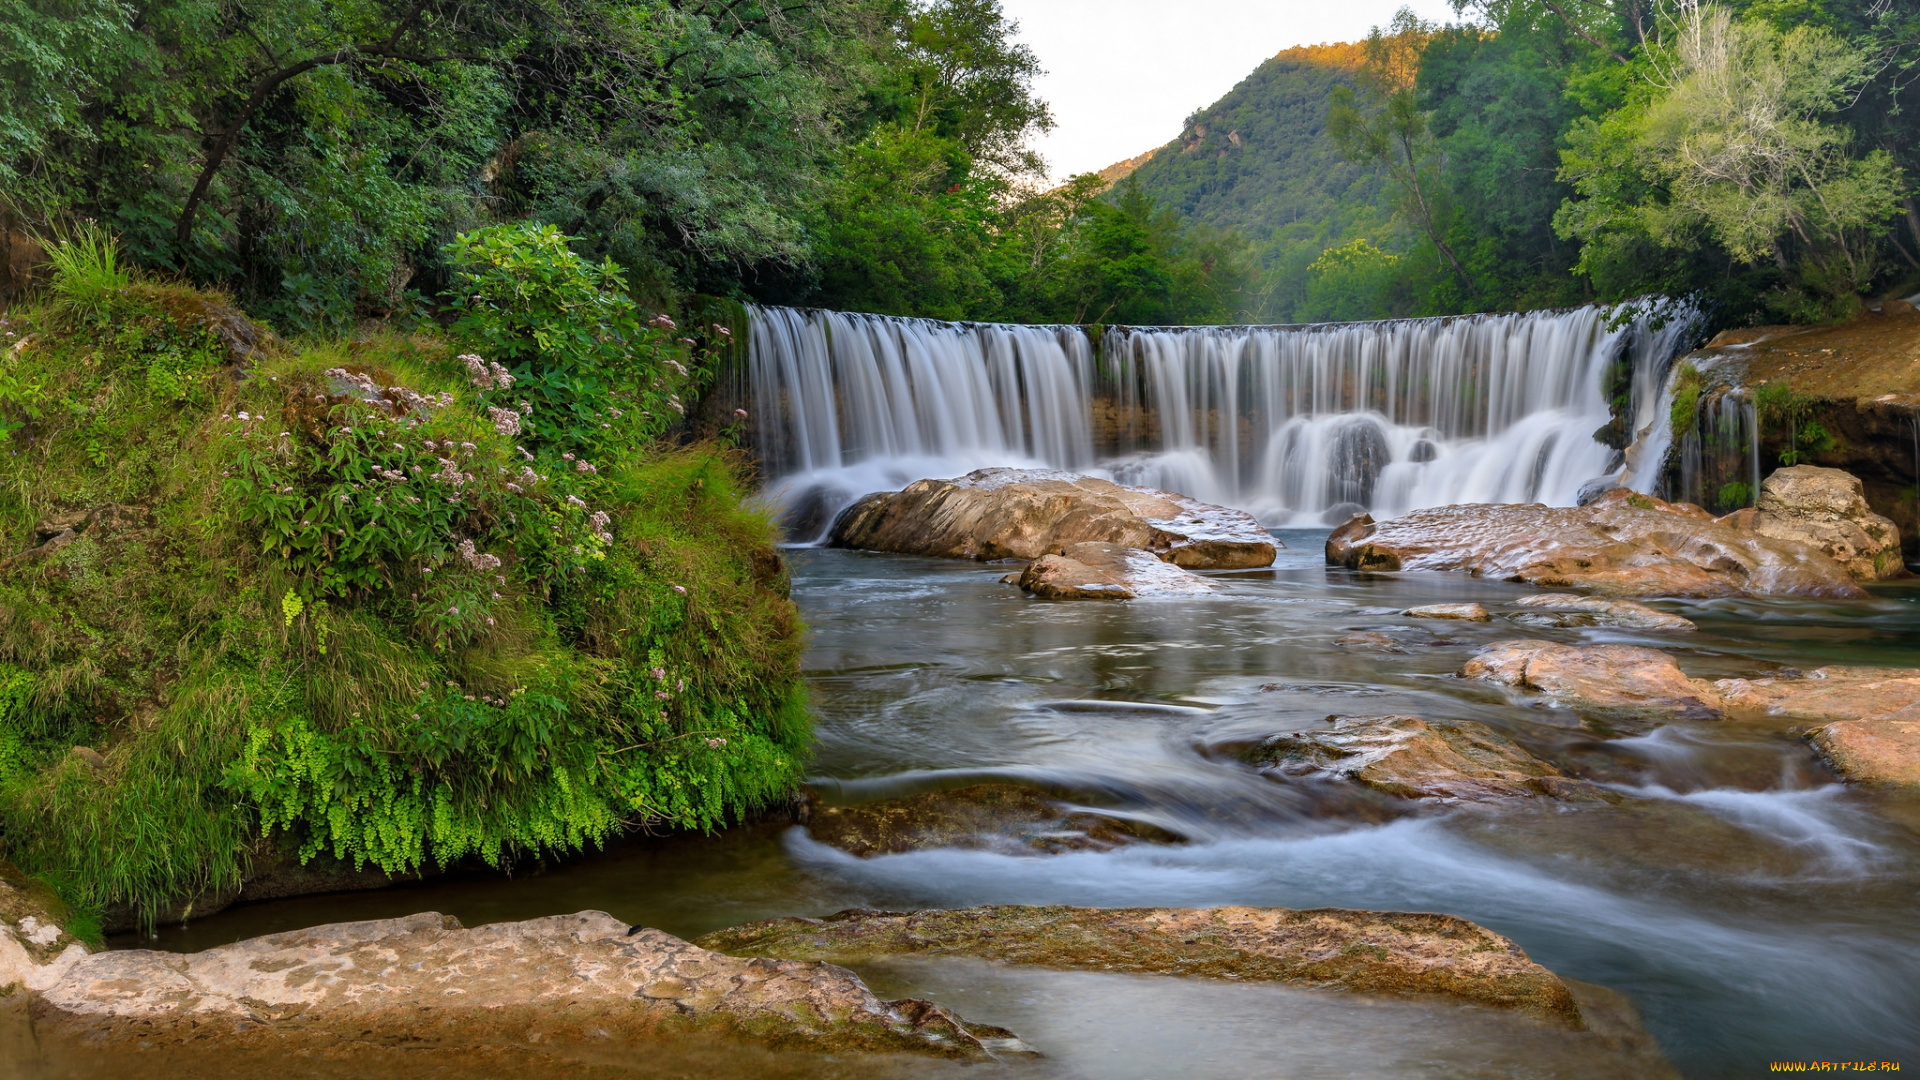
(283, 616)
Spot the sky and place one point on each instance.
(1123, 74)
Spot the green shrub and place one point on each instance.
(347, 601)
(87, 274)
(593, 371)
(1734, 495)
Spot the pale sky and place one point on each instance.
(1122, 74)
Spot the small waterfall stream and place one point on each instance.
(1297, 424)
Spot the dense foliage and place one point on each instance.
(1761, 155)
(405, 599)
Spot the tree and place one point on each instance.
(1727, 141)
(1384, 126)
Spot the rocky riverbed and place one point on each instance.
(1661, 811)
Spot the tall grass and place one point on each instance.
(86, 272)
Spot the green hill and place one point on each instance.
(1259, 160)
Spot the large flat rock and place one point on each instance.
(1025, 514)
(1620, 544)
(1363, 951)
(424, 980)
(1456, 761)
(1095, 570)
(1625, 678)
(996, 817)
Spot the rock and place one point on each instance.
(1621, 677)
(1409, 757)
(1827, 509)
(1464, 612)
(1622, 544)
(1360, 951)
(1025, 514)
(1100, 571)
(1340, 513)
(1828, 693)
(1870, 717)
(1872, 751)
(1001, 817)
(424, 981)
(35, 952)
(59, 528)
(1566, 609)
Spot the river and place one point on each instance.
(1748, 905)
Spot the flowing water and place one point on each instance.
(1296, 424)
(1749, 906)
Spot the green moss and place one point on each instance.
(1688, 383)
(257, 641)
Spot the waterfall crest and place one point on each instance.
(1297, 424)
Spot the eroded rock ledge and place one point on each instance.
(1868, 718)
(1364, 951)
(1621, 544)
(423, 980)
(1456, 761)
(1028, 513)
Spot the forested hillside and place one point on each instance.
(1260, 162)
(1758, 155)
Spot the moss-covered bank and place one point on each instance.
(375, 600)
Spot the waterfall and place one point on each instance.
(1297, 424)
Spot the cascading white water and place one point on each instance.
(1294, 423)
(850, 403)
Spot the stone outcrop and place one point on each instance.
(1828, 693)
(1462, 612)
(1624, 678)
(425, 981)
(1100, 571)
(1621, 544)
(1025, 514)
(1872, 751)
(34, 951)
(1827, 509)
(1566, 609)
(1416, 759)
(1869, 717)
(1361, 951)
(62, 527)
(1000, 817)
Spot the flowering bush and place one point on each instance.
(592, 369)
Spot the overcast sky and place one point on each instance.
(1122, 74)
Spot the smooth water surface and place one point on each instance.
(1751, 907)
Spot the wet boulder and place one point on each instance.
(1025, 514)
(997, 817)
(1872, 751)
(1360, 951)
(1869, 717)
(425, 981)
(1625, 678)
(1620, 544)
(1461, 612)
(1567, 609)
(1417, 759)
(1827, 509)
(1102, 571)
